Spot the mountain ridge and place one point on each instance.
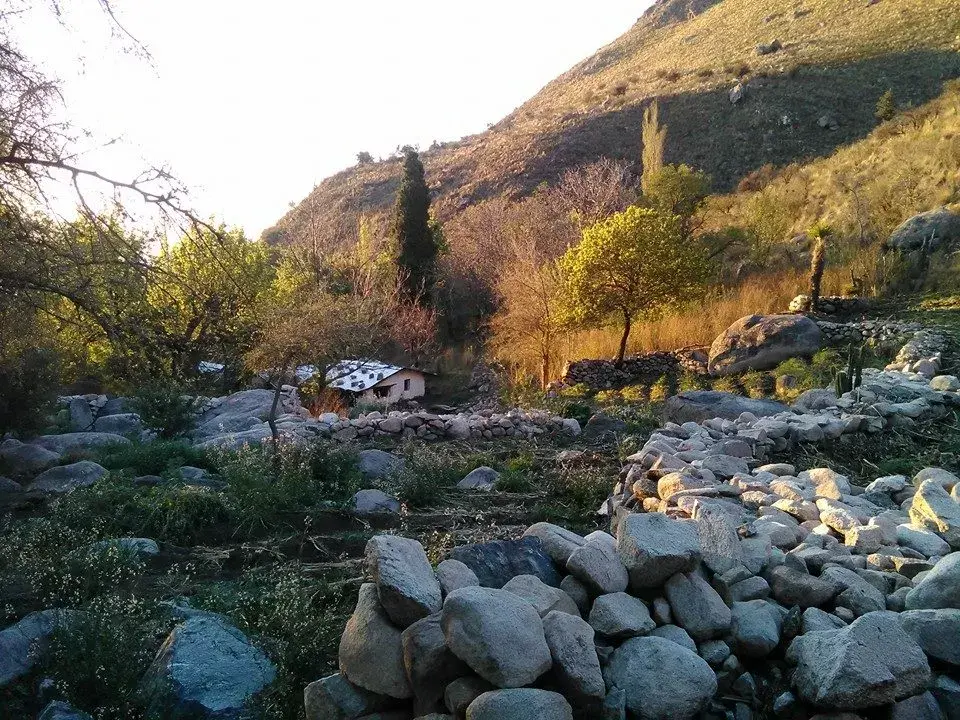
(837, 57)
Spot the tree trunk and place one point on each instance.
(272, 418)
(623, 339)
(544, 370)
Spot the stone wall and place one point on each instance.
(645, 368)
(831, 305)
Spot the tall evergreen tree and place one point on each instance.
(415, 238)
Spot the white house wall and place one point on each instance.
(418, 387)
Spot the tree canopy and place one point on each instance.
(635, 263)
(416, 240)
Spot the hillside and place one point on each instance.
(838, 57)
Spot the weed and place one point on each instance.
(160, 457)
(660, 390)
(425, 473)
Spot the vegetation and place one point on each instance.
(636, 262)
(415, 238)
(167, 409)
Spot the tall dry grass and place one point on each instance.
(699, 324)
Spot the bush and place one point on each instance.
(28, 385)
(691, 381)
(608, 397)
(167, 410)
(581, 412)
(757, 384)
(660, 390)
(98, 659)
(427, 470)
(160, 457)
(886, 107)
(727, 384)
(635, 394)
(575, 494)
(517, 474)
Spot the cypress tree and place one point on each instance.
(411, 229)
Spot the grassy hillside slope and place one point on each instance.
(838, 57)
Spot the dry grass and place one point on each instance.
(701, 323)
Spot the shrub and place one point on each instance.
(160, 457)
(580, 390)
(580, 412)
(692, 381)
(727, 384)
(98, 659)
(635, 393)
(608, 397)
(167, 410)
(660, 390)
(575, 494)
(757, 384)
(28, 384)
(425, 472)
(886, 107)
(517, 474)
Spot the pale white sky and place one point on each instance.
(253, 103)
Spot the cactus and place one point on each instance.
(852, 377)
(817, 264)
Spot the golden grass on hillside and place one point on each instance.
(700, 324)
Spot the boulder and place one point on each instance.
(520, 704)
(559, 543)
(720, 546)
(790, 587)
(661, 679)
(927, 231)
(544, 598)
(699, 405)
(932, 508)
(755, 628)
(336, 698)
(922, 540)
(618, 615)
(376, 464)
(919, 707)
(67, 478)
(481, 478)
(453, 575)
(761, 342)
(872, 662)
(653, 547)
(946, 690)
(79, 441)
(499, 635)
(494, 563)
(371, 654)
(406, 585)
(598, 566)
(935, 631)
(26, 460)
(675, 633)
(815, 619)
(429, 663)
(81, 416)
(463, 691)
(946, 478)
(856, 594)
(120, 424)
(143, 547)
(374, 502)
(23, 645)
(205, 668)
(697, 607)
(576, 666)
(603, 427)
(939, 588)
(8, 486)
(815, 400)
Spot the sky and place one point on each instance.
(254, 103)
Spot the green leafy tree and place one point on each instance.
(635, 263)
(886, 107)
(416, 239)
(654, 141)
(677, 190)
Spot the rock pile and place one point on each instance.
(675, 617)
(831, 305)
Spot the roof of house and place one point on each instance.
(360, 375)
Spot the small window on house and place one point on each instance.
(382, 392)
(406, 384)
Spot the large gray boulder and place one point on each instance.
(25, 459)
(661, 679)
(520, 704)
(371, 654)
(119, 424)
(481, 478)
(697, 607)
(22, 645)
(936, 631)
(67, 478)
(559, 543)
(755, 628)
(79, 441)
(761, 342)
(576, 666)
(206, 668)
(336, 698)
(406, 584)
(933, 509)
(376, 464)
(544, 598)
(453, 575)
(653, 547)
(872, 662)
(699, 405)
(598, 566)
(940, 588)
(429, 663)
(499, 635)
(617, 616)
(930, 230)
(81, 416)
(374, 502)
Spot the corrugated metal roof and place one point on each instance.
(359, 375)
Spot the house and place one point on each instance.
(377, 382)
